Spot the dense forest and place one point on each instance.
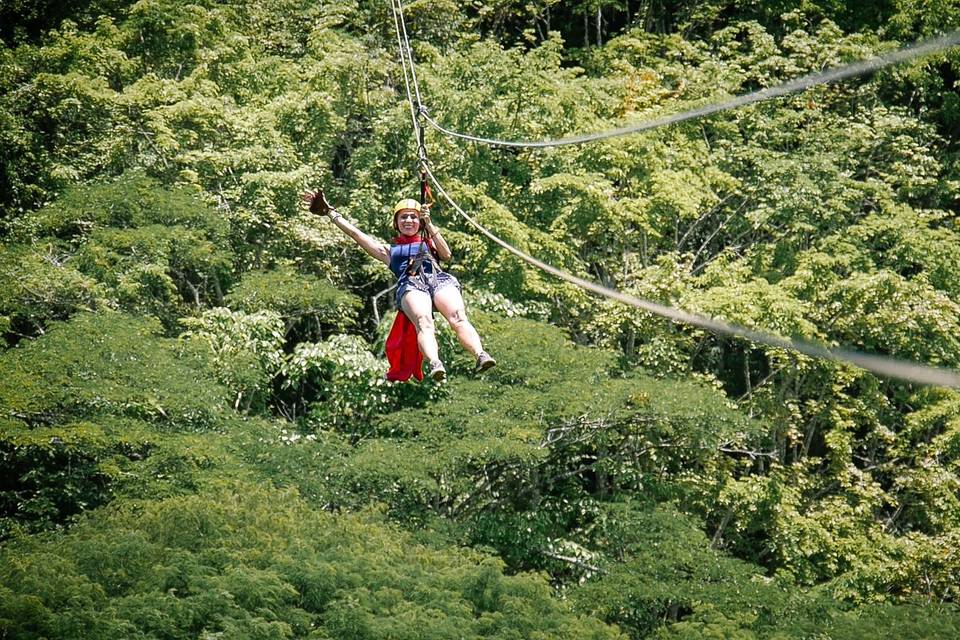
(196, 436)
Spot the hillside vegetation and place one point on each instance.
(196, 437)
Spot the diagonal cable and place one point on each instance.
(916, 50)
(881, 365)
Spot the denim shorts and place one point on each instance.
(427, 284)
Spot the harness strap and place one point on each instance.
(415, 264)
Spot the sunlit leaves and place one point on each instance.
(247, 350)
(252, 560)
(39, 287)
(111, 363)
(340, 383)
(304, 301)
(827, 215)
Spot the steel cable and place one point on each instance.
(882, 365)
(916, 50)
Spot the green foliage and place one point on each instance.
(810, 538)
(29, 20)
(253, 562)
(247, 351)
(134, 244)
(522, 457)
(666, 571)
(827, 215)
(912, 620)
(157, 270)
(39, 287)
(491, 302)
(131, 201)
(53, 473)
(308, 305)
(539, 356)
(172, 34)
(58, 129)
(48, 478)
(644, 339)
(914, 18)
(340, 383)
(109, 363)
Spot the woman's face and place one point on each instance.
(408, 222)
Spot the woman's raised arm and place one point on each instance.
(318, 204)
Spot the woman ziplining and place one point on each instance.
(422, 286)
(881, 365)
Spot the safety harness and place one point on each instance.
(415, 264)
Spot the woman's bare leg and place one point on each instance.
(418, 307)
(449, 302)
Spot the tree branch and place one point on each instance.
(753, 455)
(573, 561)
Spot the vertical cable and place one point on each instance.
(413, 69)
(403, 66)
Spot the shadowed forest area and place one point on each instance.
(196, 436)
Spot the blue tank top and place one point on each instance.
(402, 254)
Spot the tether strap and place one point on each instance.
(415, 265)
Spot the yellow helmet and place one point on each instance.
(406, 203)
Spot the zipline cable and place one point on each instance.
(413, 67)
(882, 365)
(417, 134)
(910, 52)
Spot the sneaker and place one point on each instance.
(437, 372)
(484, 361)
